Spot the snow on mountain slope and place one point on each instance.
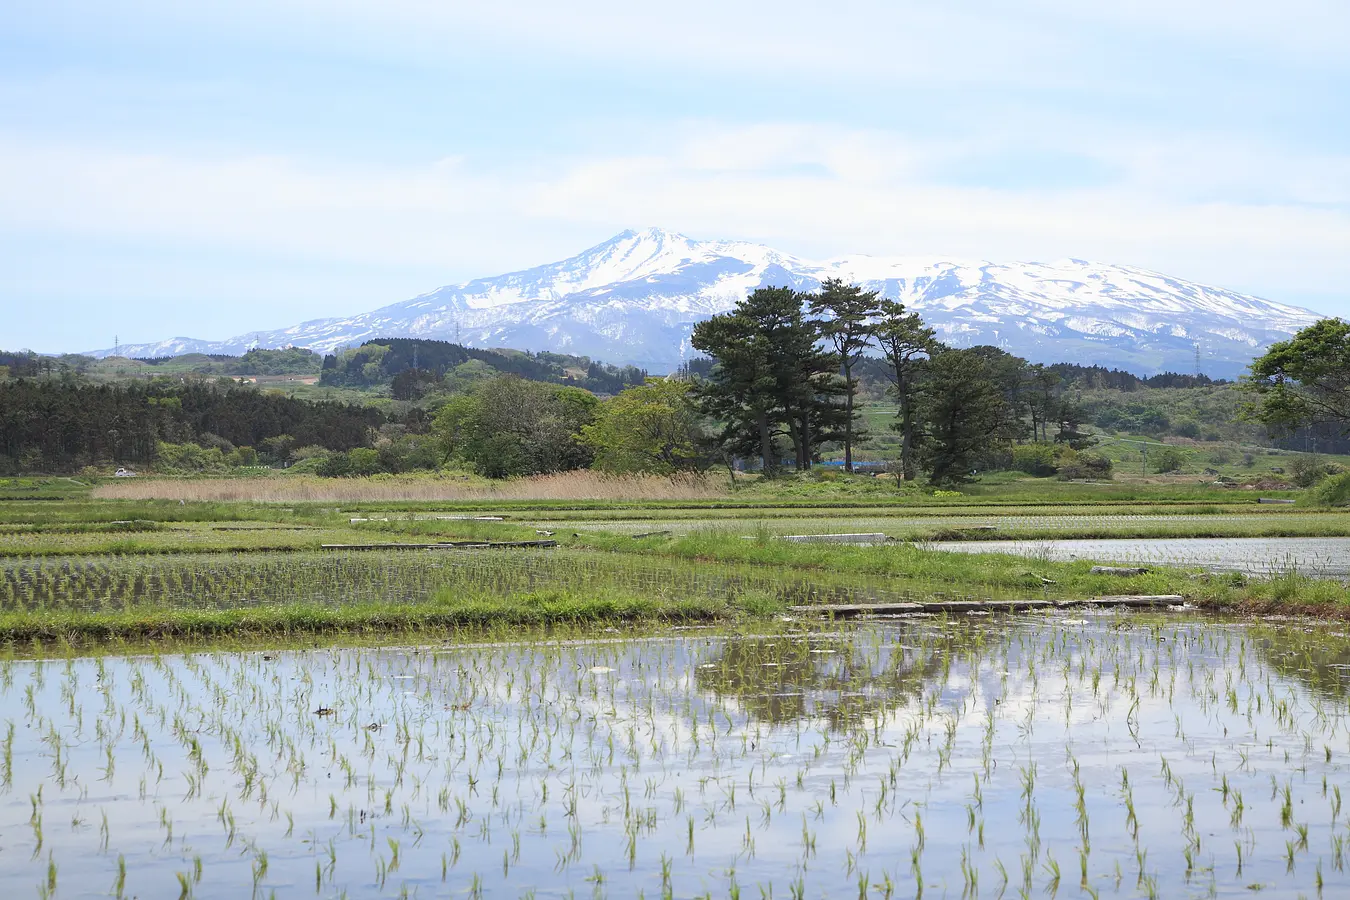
(636, 297)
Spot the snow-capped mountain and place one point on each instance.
(636, 298)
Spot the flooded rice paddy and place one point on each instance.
(901, 525)
(233, 581)
(1325, 557)
(1032, 756)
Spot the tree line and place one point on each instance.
(62, 424)
(414, 367)
(784, 382)
(781, 384)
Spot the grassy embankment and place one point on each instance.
(786, 573)
(60, 518)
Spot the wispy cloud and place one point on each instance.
(1205, 139)
(807, 188)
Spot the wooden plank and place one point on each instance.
(854, 610)
(1145, 601)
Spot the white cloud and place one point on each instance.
(1045, 43)
(1176, 207)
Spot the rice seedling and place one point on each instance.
(766, 753)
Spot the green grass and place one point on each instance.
(907, 567)
(187, 537)
(710, 573)
(42, 489)
(929, 575)
(448, 611)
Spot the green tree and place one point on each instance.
(906, 343)
(652, 427)
(454, 423)
(966, 414)
(849, 328)
(1170, 459)
(510, 427)
(770, 378)
(1071, 416)
(1305, 380)
(279, 448)
(1043, 399)
(1010, 373)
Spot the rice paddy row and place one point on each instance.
(1099, 756)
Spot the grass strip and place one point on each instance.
(446, 611)
(999, 574)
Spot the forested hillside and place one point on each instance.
(63, 423)
(413, 368)
(789, 380)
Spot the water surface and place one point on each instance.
(1327, 557)
(1121, 756)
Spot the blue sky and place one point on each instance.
(211, 168)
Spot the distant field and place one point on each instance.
(302, 489)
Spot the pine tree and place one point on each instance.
(966, 414)
(849, 328)
(906, 343)
(771, 377)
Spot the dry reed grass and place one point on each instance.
(305, 489)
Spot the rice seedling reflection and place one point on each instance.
(1108, 755)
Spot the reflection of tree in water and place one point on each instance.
(1317, 657)
(845, 680)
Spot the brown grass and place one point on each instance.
(306, 489)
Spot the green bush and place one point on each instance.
(356, 462)
(1169, 459)
(364, 461)
(334, 465)
(188, 459)
(1334, 491)
(1035, 459)
(1308, 468)
(242, 456)
(1188, 428)
(1085, 467)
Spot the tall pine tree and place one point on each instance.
(771, 378)
(849, 329)
(906, 343)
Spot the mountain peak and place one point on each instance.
(636, 297)
(650, 234)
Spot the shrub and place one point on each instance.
(1334, 491)
(364, 461)
(310, 451)
(1034, 459)
(188, 459)
(1086, 467)
(242, 456)
(1307, 469)
(334, 465)
(1169, 459)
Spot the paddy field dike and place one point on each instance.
(635, 690)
